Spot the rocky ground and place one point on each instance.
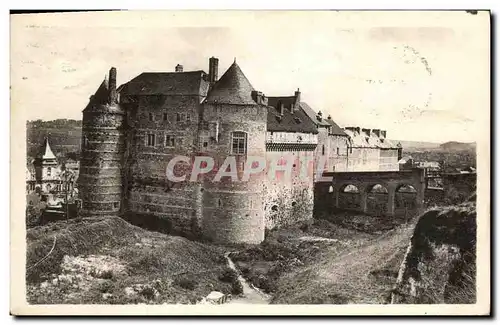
(341, 259)
(108, 261)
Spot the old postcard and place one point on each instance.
(250, 163)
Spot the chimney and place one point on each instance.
(213, 69)
(319, 117)
(281, 108)
(112, 86)
(383, 134)
(329, 117)
(297, 100)
(376, 132)
(179, 68)
(258, 97)
(366, 132)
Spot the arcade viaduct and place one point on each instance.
(382, 193)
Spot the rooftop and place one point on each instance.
(232, 88)
(167, 83)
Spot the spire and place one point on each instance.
(234, 60)
(48, 154)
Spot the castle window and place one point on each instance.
(165, 116)
(274, 208)
(178, 119)
(338, 151)
(323, 150)
(169, 141)
(239, 143)
(116, 205)
(204, 141)
(188, 118)
(49, 171)
(151, 117)
(294, 203)
(151, 140)
(219, 203)
(85, 142)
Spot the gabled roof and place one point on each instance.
(296, 122)
(313, 115)
(335, 129)
(167, 83)
(232, 88)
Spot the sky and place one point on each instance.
(422, 76)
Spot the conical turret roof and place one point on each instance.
(232, 88)
(101, 95)
(48, 154)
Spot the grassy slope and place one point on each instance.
(182, 271)
(361, 274)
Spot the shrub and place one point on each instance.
(186, 283)
(228, 276)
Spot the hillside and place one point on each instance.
(458, 146)
(109, 261)
(64, 135)
(417, 145)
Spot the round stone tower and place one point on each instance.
(235, 116)
(100, 178)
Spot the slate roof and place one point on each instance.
(232, 88)
(335, 128)
(362, 141)
(313, 115)
(100, 97)
(296, 122)
(167, 83)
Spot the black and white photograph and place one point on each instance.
(219, 162)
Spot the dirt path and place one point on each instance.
(251, 295)
(359, 275)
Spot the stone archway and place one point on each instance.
(377, 199)
(405, 200)
(349, 197)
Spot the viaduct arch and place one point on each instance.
(386, 193)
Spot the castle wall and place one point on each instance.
(149, 193)
(233, 211)
(337, 159)
(388, 160)
(100, 180)
(289, 199)
(364, 159)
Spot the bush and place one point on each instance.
(105, 287)
(186, 283)
(228, 276)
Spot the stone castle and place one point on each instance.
(131, 132)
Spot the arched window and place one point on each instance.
(323, 150)
(239, 143)
(49, 171)
(219, 203)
